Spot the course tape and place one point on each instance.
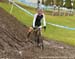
(60, 26)
(22, 8)
(56, 25)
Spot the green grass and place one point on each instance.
(19, 14)
(52, 32)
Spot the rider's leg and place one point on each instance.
(39, 35)
(40, 39)
(29, 32)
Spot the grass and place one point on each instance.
(52, 32)
(19, 14)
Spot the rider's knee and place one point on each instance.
(30, 29)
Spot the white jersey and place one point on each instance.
(38, 20)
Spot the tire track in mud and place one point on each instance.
(11, 40)
(62, 49)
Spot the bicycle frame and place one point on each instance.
(35, 38)
(38, 40)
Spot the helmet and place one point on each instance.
(40, 9)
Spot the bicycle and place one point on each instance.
(36, 37)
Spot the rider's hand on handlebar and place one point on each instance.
(34, 28)
(44, 28)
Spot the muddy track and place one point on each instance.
(14, 45)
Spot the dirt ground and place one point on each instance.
(14, 45)
(1, 0)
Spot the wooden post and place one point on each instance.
(11, 7)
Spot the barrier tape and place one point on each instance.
(60, 26)
(56, 25)
(22, 8)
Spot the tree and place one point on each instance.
(54, 1)
(57, 2)
(49, 2)
(61, 3)
(74, 4)
(68, 4)
(42, 1)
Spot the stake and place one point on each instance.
(11, 8)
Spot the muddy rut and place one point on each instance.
(14, 44)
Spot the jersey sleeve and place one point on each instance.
(34, 20)
(44, 21)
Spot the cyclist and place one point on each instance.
(39, 17)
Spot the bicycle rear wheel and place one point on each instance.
(40, 40)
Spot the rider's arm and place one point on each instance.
(34, 20)
(44, 21)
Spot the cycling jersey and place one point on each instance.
(37, 20)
